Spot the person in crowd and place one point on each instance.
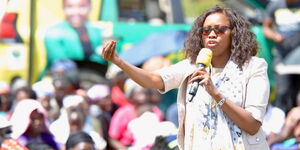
(228, 108)
(6, 142)
(29, 124)
(281, 25)
(77, 122)
(44, 90)
(172, 114)
(5, 100)
(74, 117)
(63, 86)
(120, 136)
(273, 121)
(118, 92)
(75, 38)
(80, 141)
(154, 99)
(291, 143)
(147, 126)
(24, 93)
(291, 122)
(100, 95)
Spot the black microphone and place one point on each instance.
(203, 60)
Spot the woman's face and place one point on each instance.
(76, 11)
(139, 96)
(106, 103)
(36, 122)
(219, 41)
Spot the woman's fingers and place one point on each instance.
(109, 50)
(198, 75)
(113, 51)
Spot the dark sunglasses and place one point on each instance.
(217, 29)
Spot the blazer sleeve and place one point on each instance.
(173, 75)
(258, 89)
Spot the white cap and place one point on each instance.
(72, 101)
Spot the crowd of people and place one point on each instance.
(55, 113)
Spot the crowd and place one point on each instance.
(56, 113)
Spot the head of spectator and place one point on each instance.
(74, 101)
(76, 118)
(29, 123)
(116, 76)
(136, 94)
(5, 99)
(154, 96)
(45, 91)
(63, 86)
(23, 93)
(18, 83)
(100, 94)
(80, 141)
(156, 63)
(77, 11)
(65, 67)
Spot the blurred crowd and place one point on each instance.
(56, 113)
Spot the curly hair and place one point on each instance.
(243, 43)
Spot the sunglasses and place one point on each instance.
(217, 29)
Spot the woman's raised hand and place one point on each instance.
(109, 52)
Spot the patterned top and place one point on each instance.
(206, 125)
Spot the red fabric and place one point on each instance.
(118, 96)
(118, 126)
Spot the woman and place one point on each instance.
(228, 108)
(29, 124)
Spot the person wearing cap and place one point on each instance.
(101, 97)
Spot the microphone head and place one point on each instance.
(204, 57)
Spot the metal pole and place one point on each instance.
(32, 21)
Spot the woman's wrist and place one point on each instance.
(221, 102)
(217, 96)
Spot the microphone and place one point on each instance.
(203, 60)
